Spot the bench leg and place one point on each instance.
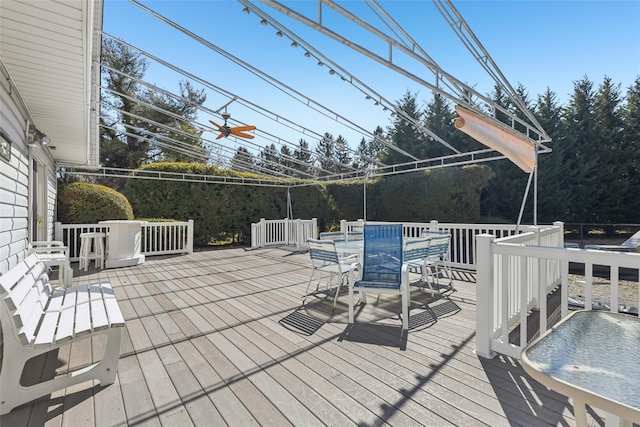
(13, 394)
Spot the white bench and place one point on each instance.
(37, 318)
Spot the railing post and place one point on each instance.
(253, 235)
(344, 229)
(560, 233)
(433, 226)
(190, 236)
(484, 296)
(263, 232)
(57, 231)
(287, 231)
(314, 231)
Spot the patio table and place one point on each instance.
(124, 243)
(592, 358)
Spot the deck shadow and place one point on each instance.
(376, 334)
(300, 322)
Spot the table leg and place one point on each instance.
(580, 412)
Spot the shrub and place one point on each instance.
(85, 203)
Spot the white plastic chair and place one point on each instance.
(325, 260)
(416, 256)
(53, 253)
(438, 259)
(630, 245)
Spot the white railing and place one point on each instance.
(462, 248)
(516, 274)
(158, 238)
(283, 232)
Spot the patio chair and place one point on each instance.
(54, 253)
(438, 259)
(383, 269)
(325, 259)
(630, 245)
(416, 255)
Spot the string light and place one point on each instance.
(294, 44)
(332, 72)
(307, 54)
(279, 33)
(320, 63)
(263, 22)
(246, 10)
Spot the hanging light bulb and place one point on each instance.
(307, 54)
(332, 72)
(320, 63)
(263, 22)
(294, 44)
(246, 10)
(279, 33)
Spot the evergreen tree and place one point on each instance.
(137, 132)
(403, 134)
(582, 165)
(611, 151)
(343, 157)
(242, 160)
(170, 124)
(269, 159)
(369, 152)
(304, 158)
(286, 160)
(439, 118)
(631, 137)
(552, 192)
(326, 153)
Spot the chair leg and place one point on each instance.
(306, 292)
(351, 303)
(425, 272)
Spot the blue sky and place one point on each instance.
(537, 43)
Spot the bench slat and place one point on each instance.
(47, 331)
(67, 315)
(29, 313)
(99, 316)
(83, 311)
(22, 287)
(11, 277)
(111, 305)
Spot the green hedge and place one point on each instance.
(226, 211)
(86, 203)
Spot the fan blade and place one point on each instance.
(220, 136)
(243, 128)
(241, 134)
(216, 125)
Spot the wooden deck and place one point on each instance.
(220, 337)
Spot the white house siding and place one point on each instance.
(14, 182)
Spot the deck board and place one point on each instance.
(221, 337)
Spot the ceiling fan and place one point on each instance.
(226, 130)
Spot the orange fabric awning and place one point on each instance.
(516, 148)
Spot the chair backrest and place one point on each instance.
(322, 251)
(439, 245)
(383, 258)
(633, 241)
(332, 235)
(416, 249)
